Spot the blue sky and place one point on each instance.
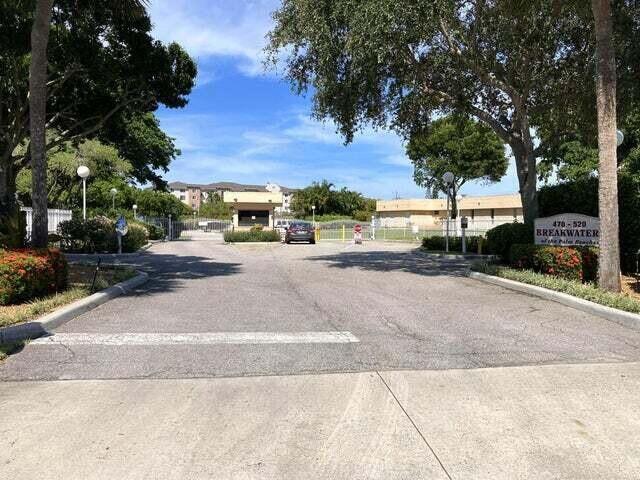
(245, 125)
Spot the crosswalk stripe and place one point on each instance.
(205, 338)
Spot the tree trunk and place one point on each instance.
(609, 259)
(527, 180)
(37, 120)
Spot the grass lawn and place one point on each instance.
(80, 278)
(627, 301)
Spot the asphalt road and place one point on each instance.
(329, 362)
(405, 310)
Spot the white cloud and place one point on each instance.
(228, 28)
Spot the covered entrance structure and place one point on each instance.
(253, 208)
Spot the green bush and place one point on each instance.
(155, 232)
(586, 291)
(438, 242)
(500, 238)
(136, 238)
(582, 197)
(572, 263)
(251, 236)
(95, 235)
(29, 273)
(98, 235)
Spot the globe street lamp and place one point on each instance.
(83, 172)
(448, 178)
(113, 198)
(619, 137)
(313, 212)
(135, 211)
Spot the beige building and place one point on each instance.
(483, 212)
(194, 194)
(253, 208)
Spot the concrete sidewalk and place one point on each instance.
(538, 422)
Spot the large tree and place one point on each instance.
(104, 66)
(38, 118)
(457, 144)
(609, 257)
(509, 63)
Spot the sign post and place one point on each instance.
(121, 230)
(464, 223)
(567, 229)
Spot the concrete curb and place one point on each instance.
(61, 316)
(620, 317)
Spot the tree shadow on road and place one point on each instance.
(388, 261)
(167, 271)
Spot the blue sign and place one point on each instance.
(121, 226)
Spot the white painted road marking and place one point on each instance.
(196, 338)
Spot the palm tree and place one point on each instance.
(609, 260)
(38, 109)
(37, 120)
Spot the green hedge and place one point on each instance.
(586, 291)
(98, 235)
(501, 238)
(252, 236)
(438, 242)
(572, 263)
(29, 273)
(582, 197)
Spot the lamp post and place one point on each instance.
(114, 192)
(458, 199)
(313, 212)
(83, 172)
(194, 220)
(448, 178)
(135, 211)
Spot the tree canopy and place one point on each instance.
(518, 66)
(468, 149)
(329, 201)
(106, 76)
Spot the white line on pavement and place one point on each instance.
(196, 338)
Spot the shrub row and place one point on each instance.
(29, 273)
(438, 242)
(501, 238)
(98, 235)
(252, 236)
(588, 291)
(582, 197)
(571, 263)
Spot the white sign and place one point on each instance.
(567, 229)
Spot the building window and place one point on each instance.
(182, 197)
(437, 212)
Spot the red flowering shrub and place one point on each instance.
(572, 263)
(29, 273)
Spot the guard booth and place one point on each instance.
(253, 208)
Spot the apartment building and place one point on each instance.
(193, 194)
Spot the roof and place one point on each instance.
(228, 186)
(437, 204)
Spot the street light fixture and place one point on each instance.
(83, 172)
(619, 137)
(135, 211)
(448, 178)
(313, 211)
(114, 192)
